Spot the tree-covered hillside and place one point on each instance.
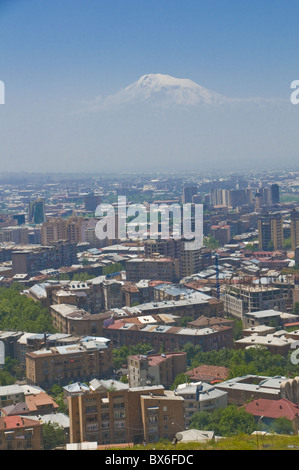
(20, 313)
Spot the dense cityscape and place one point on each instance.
(124, 342)
(149, 229)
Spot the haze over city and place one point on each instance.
(81, 91)
(149, 227)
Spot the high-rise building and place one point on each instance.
(295, 229)
(277, 232)
(36, 213)
(270, 229)
(71, 229)
(188, 193)
(275, 193)
(53, 230)
(91, 201)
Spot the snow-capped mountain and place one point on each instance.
(165, 89)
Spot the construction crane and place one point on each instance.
(217, 275)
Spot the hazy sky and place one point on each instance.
(58, 57)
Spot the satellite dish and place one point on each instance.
(2, 353)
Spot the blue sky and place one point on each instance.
(56, 54)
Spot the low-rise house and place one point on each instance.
(200, 396)
(241, 390)
(269, 410)
(16, 409)
(209, 374)
(275, 344)
(59, 419)
(42, 403)
(11, 395)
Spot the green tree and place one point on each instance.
(53, 436)
(251, 247)
(296, 308)
(6, 378)
(282, 426)
(120, 355)
(203, 421)
(211, 243)
(270, 246)
(57, 393)
(225, 422)
(180, 379)
(21, 313)
(234, 421)
(185, 320)
(287, 243)
(113, 268)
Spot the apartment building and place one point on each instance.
(190, 261)
(266, 318)
(32, 259)
(53, 230)
(112, 413)
(71, 229)
(17, 235)
(242, 298)
(168, 248)
(193, 306)
(222, 233)
(159, 268)
(73, 320)
(270, 230)
(155, 369)
(79, 361)
(20, 433)
(170, 338)
(295, 229)
(162, 416)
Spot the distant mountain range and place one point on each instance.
(167, 90)
(164, 89)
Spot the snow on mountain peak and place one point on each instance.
(157, 81)
(169, 90)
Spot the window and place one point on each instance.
(119, 415)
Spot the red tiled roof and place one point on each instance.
(208, 373)
(34, 402)
(13, 422)
(273, 408)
